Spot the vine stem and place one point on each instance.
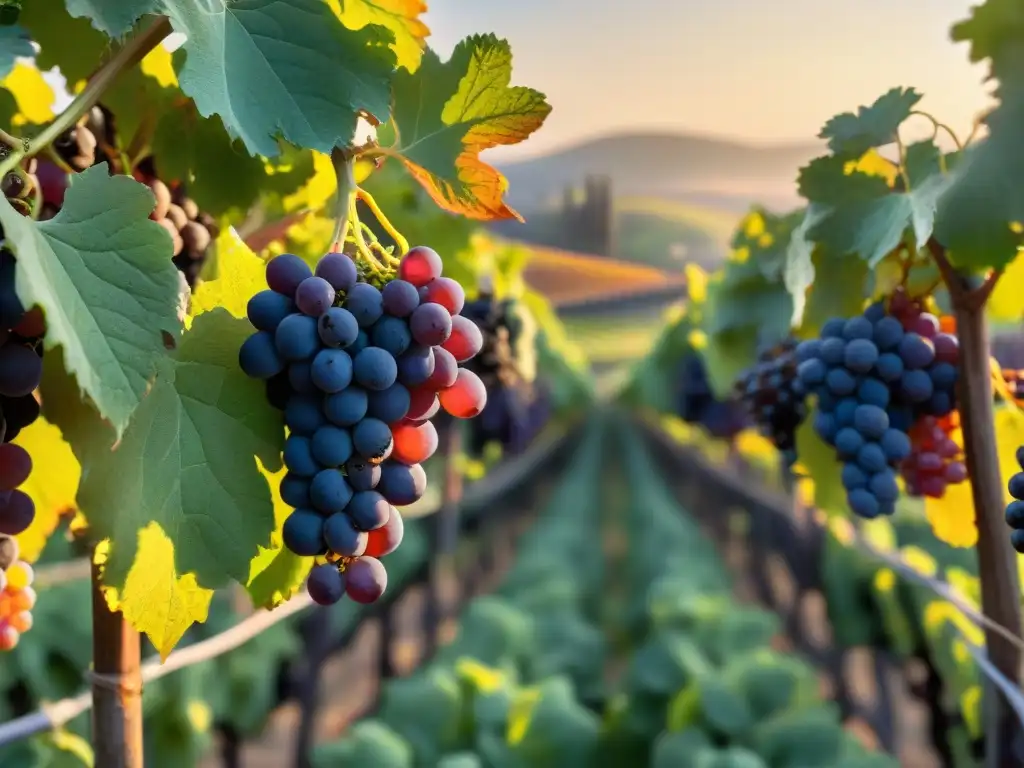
(400, 241)
(344, 171)
(997, 563)
(128, 55)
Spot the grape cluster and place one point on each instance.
(359, 372)
(21, 367)
(17, 598)
(776, 397)
(936, 461)
(875, 376)
(697, 404)
(1015, 509)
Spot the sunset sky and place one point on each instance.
(748, 69)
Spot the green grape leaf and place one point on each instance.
(288, 69)
(101, 271)
(825, 180)
(447, 113)
(186, 463)
(52, 27)
(14, 42)
(852, 134)
(823, 468)
(112, 17)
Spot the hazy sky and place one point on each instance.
(748, 69)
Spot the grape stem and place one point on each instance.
(128, 55)
(367, 198)
(343, 161)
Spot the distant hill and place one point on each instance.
(718, 173)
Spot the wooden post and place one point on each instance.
(446, 534)
(116, 685)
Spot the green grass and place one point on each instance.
(668, 234)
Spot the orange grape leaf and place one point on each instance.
(400, 17)
(446, 113)
(52, 489)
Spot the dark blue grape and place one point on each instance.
(848, 442)
(295, 491)
(858, 328)
(841, 382)
(303, 533)
(939, 404)
(337, 328)
(365, 303)
(853, 477)
(844, 411)
(331, 446)
(812, 372)
(369, 510)
(888, 333)
(329, 492)
(362, 476)
(347, 407)
(826, 427)
(362, 342)
(875, 312)
(1019, 455)
(391, 405)
(338, 270)
(372, 439)
(889, 367)
(860, 355)
(863, 503)
(11, 308)
(391, 334)
(901, 417)
(871, 421)
(895, 444)
(833, 351)
(257, 357)
(298, 456)
(871, 391)
(304, 414)
(808, 350)
(343, 538)
(884, 486)
(267, 309)
(871, 459)
(1017, 541)
(278, 390)
(402, 484)
(1015, 514)
(326, 584)
(332, 370)
(944, 376)
(827, 402)
(296, 338)
(916, 386)
(374, 368)
(916, 351)
(314, 296)
(300, 376)
(833, 328)
(416, 366)
(1016, 485)
(400, 298)
(285, 272)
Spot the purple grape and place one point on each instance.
(402, 484)
(365, 303)
(416, 365)
(343, 538)
(16, 513)
(369, 510)
(363, 476)
(431, 325)
(326, 584)
(400, 298)
(285, 272)
(314, 296)
(366, 579)
(338, 270)
(15, 466)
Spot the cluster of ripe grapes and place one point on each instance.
(510, 417)
(723, 419)
(21, 367)
(875, 377)
(775, 397)
(94, 140)
(359, 371)
(17, 597)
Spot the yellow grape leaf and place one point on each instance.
(879, 533)
(952, 516)
(753, 224)
(696, 282)
(52, 490)
(1004, 304)
(34, 95)
(155, 599)
(240, 275)
(446, 113)
(888, 275)
(401, 17)
(873, 164)
(920, 560)
(276, 573)
(318, 190)
(159, 65)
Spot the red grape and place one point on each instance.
(413, 443)
(423, 405)
(420, 265)
(466, 398)
(32, 324)
(925, 324)
(386, 539)
(446, 368)
(365, 579)
(53, 182)
(947, 348)
(15, 466)
(465, 341)
(446, 292)
(8, 637)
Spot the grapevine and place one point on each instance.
(775, 397)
